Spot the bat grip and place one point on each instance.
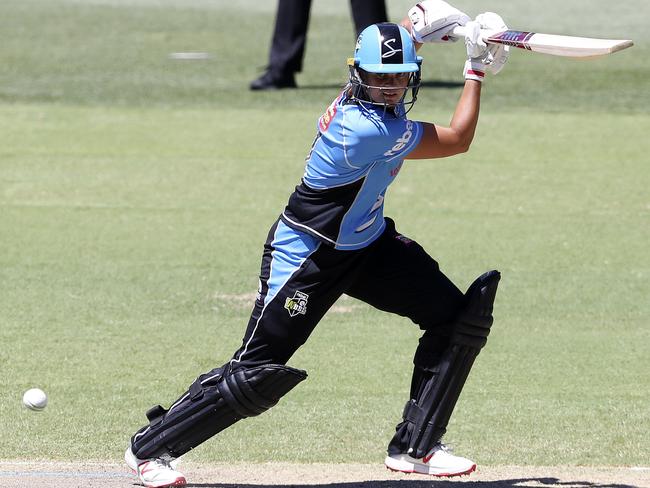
(459, 31)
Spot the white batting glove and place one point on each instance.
(474, 44)
(496, 55)
(476, 50)
(484, 57)
(474, 70)
(491, 23)
(433, 21)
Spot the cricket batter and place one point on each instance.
(332, 238)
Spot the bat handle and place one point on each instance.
(459, 31)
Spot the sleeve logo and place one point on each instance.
(402, 141)
(326, 119)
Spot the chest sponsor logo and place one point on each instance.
(297, 304)
(402, 141)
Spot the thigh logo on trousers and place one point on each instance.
(297, 304)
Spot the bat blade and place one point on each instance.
(557, 45)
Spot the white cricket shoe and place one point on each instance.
(155, 472)
(439, 462)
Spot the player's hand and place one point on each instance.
(474, 43)
(433, 21)
(476, 50)
(484, 57)
(496, 56)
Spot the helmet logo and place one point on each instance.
(358, 45)
(390, 50)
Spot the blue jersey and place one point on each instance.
(358, 152)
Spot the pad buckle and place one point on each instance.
(156, 414)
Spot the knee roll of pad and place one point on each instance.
(474, 322)
(437, 384)
(215, 401)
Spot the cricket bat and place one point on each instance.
(569, 46)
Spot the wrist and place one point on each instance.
(474, 70)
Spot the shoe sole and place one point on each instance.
(176, 483)
(180, 481)
(436, 475)
(410, 468)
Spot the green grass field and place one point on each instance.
(136, 192)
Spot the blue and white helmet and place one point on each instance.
(384, 48)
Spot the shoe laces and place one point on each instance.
(443, 447)
(164, 463)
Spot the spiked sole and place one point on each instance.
(437, 475)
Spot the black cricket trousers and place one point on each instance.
(394, 274)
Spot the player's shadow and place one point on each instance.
(428, 84)
(538, 482)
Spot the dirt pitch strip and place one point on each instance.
(48, 474)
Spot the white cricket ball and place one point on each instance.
(35, 399)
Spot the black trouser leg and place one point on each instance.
(287, 311)
(289, 37)
(367, 12)
(401, 278)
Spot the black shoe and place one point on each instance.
(270, 81)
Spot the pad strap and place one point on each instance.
(215, 401)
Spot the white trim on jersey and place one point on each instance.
(358, 245)
(314, 187)
(345, 151)
(339, 245)
(297, 224)
(363, 227)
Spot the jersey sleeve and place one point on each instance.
(372, 139)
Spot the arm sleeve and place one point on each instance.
(372, 140)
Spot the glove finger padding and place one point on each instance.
(495, 56)
(491, 22)
(433, 21)
(499, 57)
(477, 50)
(474, 44)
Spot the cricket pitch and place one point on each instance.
(33, 474)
